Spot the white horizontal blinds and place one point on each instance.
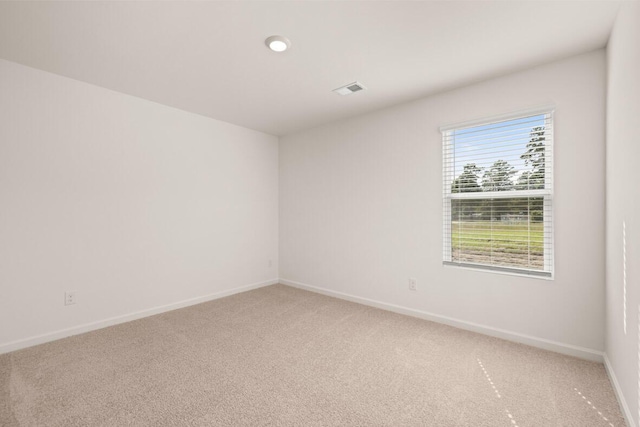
(497, 194)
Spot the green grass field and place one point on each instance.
(474, 241)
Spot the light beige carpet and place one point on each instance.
(285, 357)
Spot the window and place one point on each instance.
(498, 191)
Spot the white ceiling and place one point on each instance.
(209, 57)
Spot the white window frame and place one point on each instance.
(546, 193)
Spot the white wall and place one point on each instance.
(623, 184)
(361, 209)
(131, 204)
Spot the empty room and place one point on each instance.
(320, 213)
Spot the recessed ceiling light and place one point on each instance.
(278, 43)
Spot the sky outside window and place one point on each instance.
(486, 144)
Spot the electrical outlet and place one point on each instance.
(69, 298)
(413, 284)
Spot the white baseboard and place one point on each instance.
(87, 327)
(558, 347)
(616, 387)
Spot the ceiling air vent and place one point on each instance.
(350, 88)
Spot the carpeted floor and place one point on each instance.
(285, 357)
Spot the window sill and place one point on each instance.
(531, 274)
